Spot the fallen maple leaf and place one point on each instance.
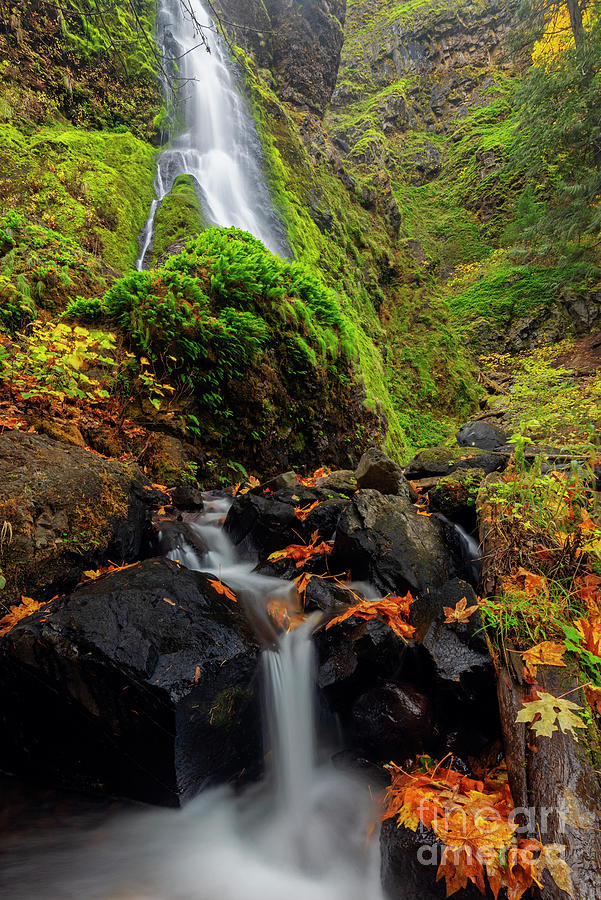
(531, 583)
(394, 611)
(222, 588)
(310, 480)
(593, 698)
(27, 607)
(302, 582)
(548, 714)
(591, 635)
(461, 612)
(548, 653)
(304, 514)
(299, 553)
(559, 869)
(285, 617)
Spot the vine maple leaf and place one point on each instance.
(394, 611)
(222, 588)
(548, 653)
(531, 583)
(549, 714)
(299, 553)
(304, 514)
(591, 635)
(461, 612)
(551, 859)
(27, 607)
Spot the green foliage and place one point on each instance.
(40, 269)
(51, 361)
(90, 62)
(546, 401)
(558, 147)
(209, 311)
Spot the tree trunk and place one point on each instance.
(576, 21)
(554, 781)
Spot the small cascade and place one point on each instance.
(306, 832)
(218, 144)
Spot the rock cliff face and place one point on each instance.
(299, 40)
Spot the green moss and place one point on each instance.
(92, 187)
(179, 216)
(41, 269)
(67, 62)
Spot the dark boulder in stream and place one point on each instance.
(385, 541)
(139, 684)
(265, 520)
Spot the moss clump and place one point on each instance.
(92, 64)
(180, 216)
(257, 346)
(92, 187)
(41, 269)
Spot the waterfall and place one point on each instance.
(300, 834)
(218, 144)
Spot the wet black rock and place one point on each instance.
(439, 461)
(384, 541)
(455, 669)
(485, 435)
(410, 862)
(187, 497)
(177, 536)
(265, 520)
(139, 684)
(379, 472)
(455, 496)
(392, 722)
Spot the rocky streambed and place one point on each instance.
(139, 678)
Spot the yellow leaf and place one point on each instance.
(548, 653)
(549, 714)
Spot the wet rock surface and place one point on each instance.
(265, 520)
(379, 472)
(439, 461)
(384, 541)
(485, 435)
(139, 684)
(66, 510)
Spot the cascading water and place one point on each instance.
(219, 145)
(305, 833)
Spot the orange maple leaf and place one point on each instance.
(27, 607)
(394, 611)
(531, 583)
(461, 612)
(304, 514)
(591, 635)
(548, 653)
(222, 588)
(299, 553)
(310, 480)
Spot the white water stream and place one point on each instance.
(305, 833)
(219, 145)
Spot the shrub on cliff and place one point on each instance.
(250, 341)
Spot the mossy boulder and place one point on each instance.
(455, 495)
(258, 347)
(179, 216)
(64, 510)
